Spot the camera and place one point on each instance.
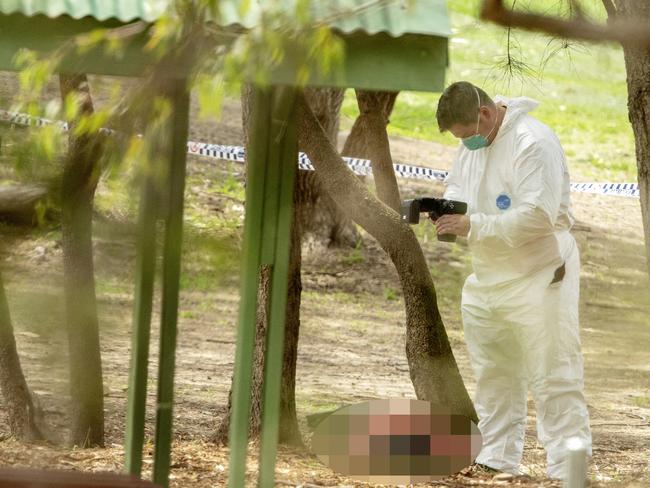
(435, 207)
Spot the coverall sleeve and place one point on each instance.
(537, 192)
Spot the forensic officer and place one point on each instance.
(520, 305)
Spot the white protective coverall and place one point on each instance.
(521, 330)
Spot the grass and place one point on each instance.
(640, 401)
(355, 256)
(581, 89)
(390, 293)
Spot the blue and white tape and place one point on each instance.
(358, 166)
(27, 120)
(618, 189)
(364, 167)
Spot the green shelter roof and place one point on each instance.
(393, 17)
(390, 44)
(123, 10)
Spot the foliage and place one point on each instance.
(221, 59)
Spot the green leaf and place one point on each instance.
(302, 11)
(90, 40)
(71, 106)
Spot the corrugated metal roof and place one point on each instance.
(394, 17)
(123, 10)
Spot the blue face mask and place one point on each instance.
(478, 141)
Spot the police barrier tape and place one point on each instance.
(358, 166)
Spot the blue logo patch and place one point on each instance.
(503, 201)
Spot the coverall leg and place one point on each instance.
(501, 390)
(555, 369)
(527, 330)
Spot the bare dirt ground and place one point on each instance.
(352, 308)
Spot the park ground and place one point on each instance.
(352, 304)
(352, 308)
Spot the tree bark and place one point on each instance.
(365, 141)
(356, 145)
(321, 216)
(637, 64)
(18, 203)
(80, 176)
(17, 399)
(432, 365)
(289, 432)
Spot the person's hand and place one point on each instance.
(453, 224)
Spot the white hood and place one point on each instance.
(517, 108)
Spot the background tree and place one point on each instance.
(79, 181)
(17, 398)
(637, 65)
(427, 342)
(366, 140)
(313, 210)
(356, 145)
(321, 216)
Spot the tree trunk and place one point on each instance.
(637, 63)
(365, 141)
(322, 218)
(355, 145)
(80, 176)
(17, 399)
(315, 210)
(433, 369)
(289, 432)
(18, 203)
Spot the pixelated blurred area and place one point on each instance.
(400, 441)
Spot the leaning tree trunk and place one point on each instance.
(637, 63)
(432, 365)
(322, 217)
(17, 399)
(80, 176)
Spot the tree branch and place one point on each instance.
(610, 8)
(626, 32)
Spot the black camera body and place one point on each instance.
(435, 207)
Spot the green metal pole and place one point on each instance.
(241, 390)
(171, 281)
(144, 279)
(282, 191)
